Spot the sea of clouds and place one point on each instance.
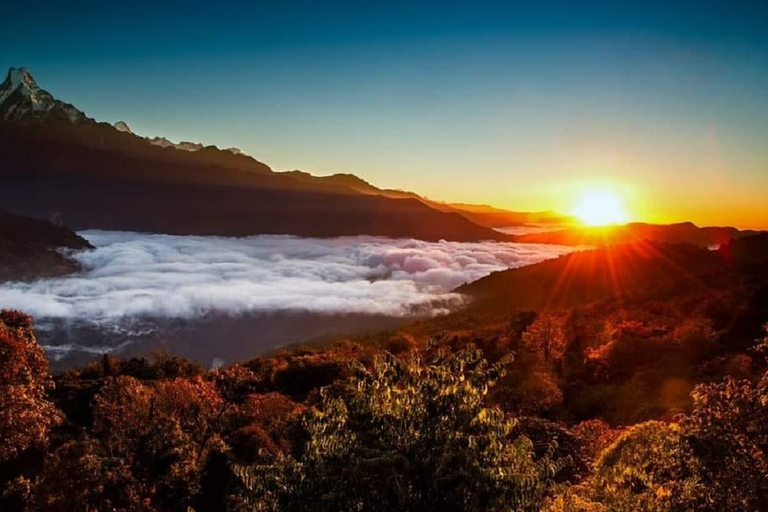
(132, 275)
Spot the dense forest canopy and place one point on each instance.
(654, 400)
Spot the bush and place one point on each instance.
(651, 466)
(413, 435)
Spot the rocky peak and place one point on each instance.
(122, 126)
(22, 100)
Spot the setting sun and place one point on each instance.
(600, 208)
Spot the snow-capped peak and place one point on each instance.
(21, 76)
(122, 126)
(17, 78)
(21, 99)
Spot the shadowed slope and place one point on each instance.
(93, 176)
(28, 248)
(59, 162)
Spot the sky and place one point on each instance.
(522, 105)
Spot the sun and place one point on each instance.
(600, 208)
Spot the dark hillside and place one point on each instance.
(28, 248)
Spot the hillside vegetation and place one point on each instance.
(650, 400)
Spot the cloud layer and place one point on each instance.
(133, 275)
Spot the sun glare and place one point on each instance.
(600, 208)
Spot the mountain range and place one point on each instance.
(683, 232)
(60, 164)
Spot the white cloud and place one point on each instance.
(133, 275)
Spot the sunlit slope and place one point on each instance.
(614, 272)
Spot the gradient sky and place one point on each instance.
(520, 105)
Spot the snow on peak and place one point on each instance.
(21, 76)
(22, 99)
(122, 126)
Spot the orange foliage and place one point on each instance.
(26, 414)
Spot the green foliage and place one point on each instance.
(651, 466)
(729, 426)
(414, 434)
(544, 434)
(574, 499)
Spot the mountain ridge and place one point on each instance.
(91, 133)
(682, 232)
(92, 175)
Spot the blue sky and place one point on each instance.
(521, 105)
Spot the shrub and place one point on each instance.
(413, 435)
(651, 466)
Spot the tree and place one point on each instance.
(79, 476)
(412, 435)
(164, 431)
(546, 337)
(729, 428)
(266, 423)
(538, 394)
(651, 466)
(26, 414)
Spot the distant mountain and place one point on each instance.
(29, 248)
(122, 126)
(59, 162)
(497, 218)
(746, 252)
(685, 232)
(609, 272)
(482, 215)
(23, 101)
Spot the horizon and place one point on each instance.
(419, 256)
(663, 107)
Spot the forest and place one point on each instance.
(654, 399)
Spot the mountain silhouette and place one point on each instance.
(617, 272)
(29, 248)
(685, 232)
(58, 162)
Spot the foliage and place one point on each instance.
(594, 436)
(729, 425)
(574, 499)
(80, 476)
(546, 337)
(545, 434)
(414, 435)
(163, 431)
(346, 426)
(266, 424)
(26, 413)
(651, 466)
